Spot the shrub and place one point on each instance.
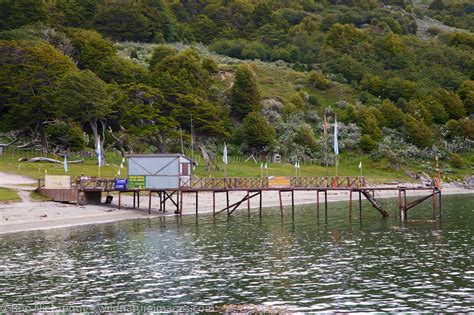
(455, 161)
(318, 80)
(367, 144)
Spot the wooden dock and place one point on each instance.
(89, 190)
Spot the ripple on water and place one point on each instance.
(302, 266)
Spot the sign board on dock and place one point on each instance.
(279, 181)
(57, 182)
(136, 182)
(120, 184)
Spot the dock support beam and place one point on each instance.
(317, 204)
(326, 206)
(213, 203)
(440, 205)
(350, 204)
(149, 202)
(227, 197)
(248, 204)
(293, 205)
(197, 202)
(360, 205)
(260, 206)
(281, 204)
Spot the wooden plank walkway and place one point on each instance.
(254, 187)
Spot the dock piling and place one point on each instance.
(281, 204)
(350, 204)
(293, 205)
(326, 206)
(317, 204)
(149, 202)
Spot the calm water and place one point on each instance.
(376, 264)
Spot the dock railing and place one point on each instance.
(259, 182)
(328, 181)
(225, 183)
(94, 183)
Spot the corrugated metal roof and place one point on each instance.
(158, 155)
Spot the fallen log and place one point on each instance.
(48, 160)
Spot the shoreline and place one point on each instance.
(29, 215)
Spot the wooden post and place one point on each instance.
(138, 199)
(213, 203)
(440, 205)
(161, 202)
(133, 199)
(281, 205)
(317, 204)
(119, 201)
(227, 197)
(149, 202)
(181, 204)
(178, 203)
(434, 204)
(350, 204)
(405, 205)
(248, 203)
(197, 202)
(360, 206)
(293, 205)
(164, 200)
(260, 206)
(326, 206)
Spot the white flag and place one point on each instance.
(123, 161)
(99, 152)
(360, 164)
(261, 165)
(224, 157)
(266, 165)
(65, 164)
(296, 164)
(118, 172)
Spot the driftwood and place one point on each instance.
(45, 159)
(207, 159)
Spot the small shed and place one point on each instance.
(158, 171)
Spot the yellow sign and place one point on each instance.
(279, 181)
(136, 182)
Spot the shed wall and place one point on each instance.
(153, 166)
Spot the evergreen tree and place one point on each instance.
(28, 72)
(83, 96)
(259, 135)
(16, 13)
(417, 132)
(244, 95)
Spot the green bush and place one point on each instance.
(367, 144)
(455, 160)
(318, 80)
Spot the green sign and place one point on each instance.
(136, 182)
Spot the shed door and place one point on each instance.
(185, 169)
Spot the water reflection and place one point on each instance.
(368, 265)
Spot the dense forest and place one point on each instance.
(150, 75)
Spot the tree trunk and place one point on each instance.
(158, 142)
(95, 133)
(44, 139)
